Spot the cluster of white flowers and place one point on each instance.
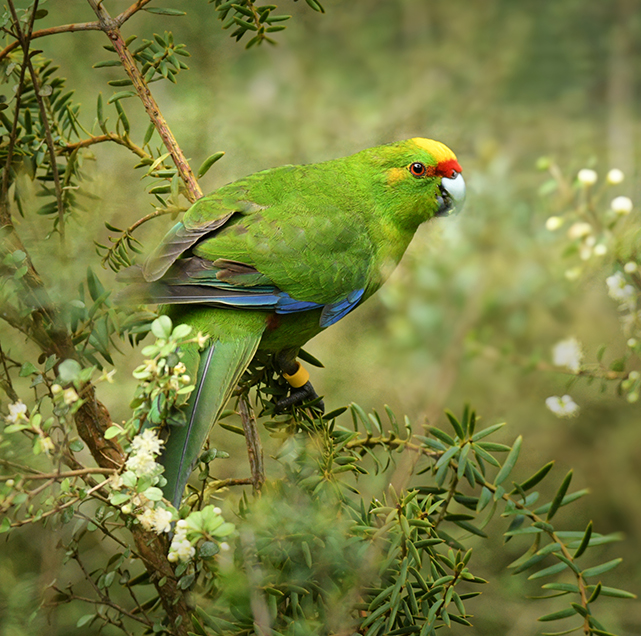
(568, 353)
(145, 448)
(181, 548)
(563, 406)
(17, 412)
(156, 519)
(619, 288)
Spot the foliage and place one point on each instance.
(365, 524)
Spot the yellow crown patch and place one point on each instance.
(439, 151)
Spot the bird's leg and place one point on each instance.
(298, 378)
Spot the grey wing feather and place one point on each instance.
(176, 242)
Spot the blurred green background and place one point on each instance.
(502, 83)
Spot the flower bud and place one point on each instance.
(615, 176)
(554, 223)
(587, 177)
(621, 205)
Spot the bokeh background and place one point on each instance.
(477, 297)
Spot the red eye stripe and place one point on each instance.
(447, 168)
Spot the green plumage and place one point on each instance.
(270, 260)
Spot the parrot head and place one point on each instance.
(428, 172)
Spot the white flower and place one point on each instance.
(562, 406)
(181, 550)
(147, 442)
(116, 482)
(621, 205)
(56, 388)
(554, 223)
(47, 445)
(579, 230)
(218, 511)
(587, 177)
(618, 287)
(17, 412)
(108, 376)
(573, 273)
(632, 343)
(179, 369)
(634, 376)
(147, 518)
(201, 340)
(142, 464)
(601, 249)
(630, 267)
(615, 176)
(224, 546)
(70, 396)
(157, 520)
(568, 353)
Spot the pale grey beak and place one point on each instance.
(452, 195)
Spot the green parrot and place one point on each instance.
(269, 261)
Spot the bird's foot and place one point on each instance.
(302, 389)
(298, 395)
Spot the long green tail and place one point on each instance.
(220, 368)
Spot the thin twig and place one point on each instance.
(90, 141)
(6, 384)
(112, 30)
(79, 26)
(70, 473)
(252, 439)
(25, 42)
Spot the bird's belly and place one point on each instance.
(285, 331)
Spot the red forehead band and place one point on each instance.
(447, 168)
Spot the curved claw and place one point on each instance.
(296, 397)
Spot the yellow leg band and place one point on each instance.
(299, 378)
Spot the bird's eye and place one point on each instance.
(418, 169)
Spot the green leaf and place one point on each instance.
(161, 327)
(121, 95)
(208, 163)
(456, 425)
(314, 4)
(558, 498)
(447, 455)
(601, 569)
(487, 431)
(68, 370)
(161, 11)
(538, 476)
(555, 616)
(105, 63)
(442, 435)
(83, 620)
(27, 369)
(585, 542)
(111, 432)
(613, 591)
(553, 569)
(510, 461)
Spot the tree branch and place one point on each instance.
(118, 139)
(25, 41)
(252, 438)
(79, 26)
(112, 30)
